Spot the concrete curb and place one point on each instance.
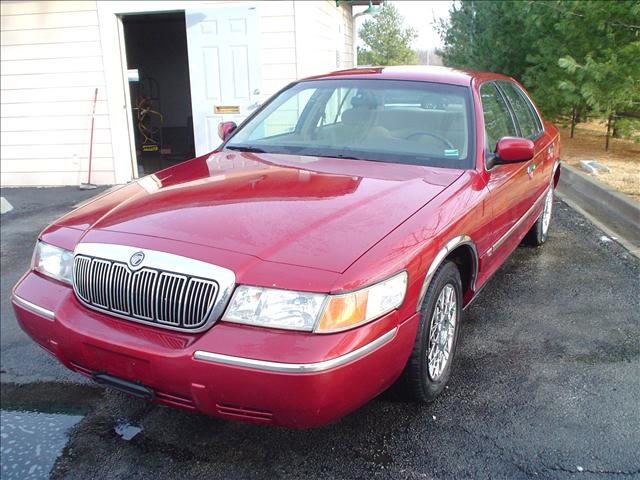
(609, 209)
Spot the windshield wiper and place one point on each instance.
(346, 157)
(244, 148)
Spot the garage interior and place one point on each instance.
(159, 85)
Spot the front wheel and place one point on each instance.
(538, 233)
(430, 364)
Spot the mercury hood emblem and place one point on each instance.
(136, 259)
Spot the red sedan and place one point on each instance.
(324, 251)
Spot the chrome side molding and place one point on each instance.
(439, 258)
(515, 226)
(295, 367)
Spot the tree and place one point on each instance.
(573, 56)
(607, 77)
(487, 35)
(514, 38)
(586, 58)
(365, 57)
(387, 40)
(555, 34)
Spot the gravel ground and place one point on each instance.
(546, 384)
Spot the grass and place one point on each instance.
(622, 158)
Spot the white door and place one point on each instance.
(224, 68)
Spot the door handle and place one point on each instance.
(531, 168)
(550, 151)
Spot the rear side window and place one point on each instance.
(523, 110)
(497, 119)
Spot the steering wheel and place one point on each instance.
(431, 134)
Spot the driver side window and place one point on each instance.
(497, 119)
(522, 109)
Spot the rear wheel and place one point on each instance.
(538, 233)
(430, 364)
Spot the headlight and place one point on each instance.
(268, 307)
(356, 308)
(53, 261)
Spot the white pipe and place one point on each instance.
(354, 37)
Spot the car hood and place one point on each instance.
(315, 212)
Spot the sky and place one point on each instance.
(419, 15)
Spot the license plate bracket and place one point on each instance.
(122, 385)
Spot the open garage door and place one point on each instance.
(224, 69)
(158, 72)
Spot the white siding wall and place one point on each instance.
(277, 46)
(55, 53)
(51, 63)
(348, 46)
(323, 37)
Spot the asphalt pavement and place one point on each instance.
(546, 385)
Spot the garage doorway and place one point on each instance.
(159, 88)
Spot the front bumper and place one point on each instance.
(262, 375)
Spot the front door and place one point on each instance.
(509, 184)
(224, 68)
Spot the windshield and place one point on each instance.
(381, 120)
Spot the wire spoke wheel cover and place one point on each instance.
(442, 331)
(546, 213)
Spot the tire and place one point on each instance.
(539, 231)
(425, 380)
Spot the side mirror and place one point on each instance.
(225, 129)
(513, 150)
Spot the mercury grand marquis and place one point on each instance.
(322, 253)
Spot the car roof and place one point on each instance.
(423, 73)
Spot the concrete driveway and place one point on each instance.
(547, 384)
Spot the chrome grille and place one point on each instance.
(120, 288)
(199, 290)
(150, 295)
(170, 289)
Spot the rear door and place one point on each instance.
(224, 68)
